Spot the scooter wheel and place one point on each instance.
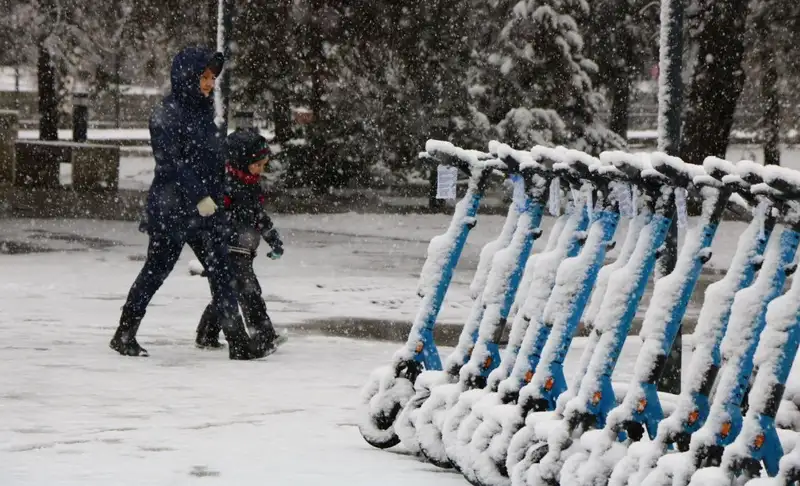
(384, 423)
(383, 397)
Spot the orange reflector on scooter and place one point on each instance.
(548, 385)
(596, 397)
(759, 441)
(693, 416)
(725, 429)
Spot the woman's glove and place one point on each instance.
(206, 207)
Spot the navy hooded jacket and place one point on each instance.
(186, 147)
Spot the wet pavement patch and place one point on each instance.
(36, 241)
(444, 334)
(12, 247)
(90, 242)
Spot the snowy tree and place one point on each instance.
(622, 39)
(772, 42)
(540, 58)
(718, 30)
(266, 65)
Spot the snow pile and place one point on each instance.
(749, 171)
(660, 161)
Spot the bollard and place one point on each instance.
(80, 116)
(9, 128)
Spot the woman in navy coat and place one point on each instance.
(182, 202)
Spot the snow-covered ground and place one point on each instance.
(74, 412)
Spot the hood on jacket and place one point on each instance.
(244, 147)
(187, 67)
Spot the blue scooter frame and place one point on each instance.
(389, 388)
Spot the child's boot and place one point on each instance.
(208, 330)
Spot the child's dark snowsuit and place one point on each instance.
(249, 223)
(189, 169)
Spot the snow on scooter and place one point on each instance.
(485, 356)
(758, 445)
(500, 252)
(641, 408)
(390, 387)
(575, 279)
(595, 396)
(537, 402)
(747, 321)
(694, 401)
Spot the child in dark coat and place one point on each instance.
(247, 155)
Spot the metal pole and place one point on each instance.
(227, 22)
(670, 99)
(222, 97)
(224, 29)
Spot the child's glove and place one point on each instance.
(276, 253)
(206, 207)
(273, 239)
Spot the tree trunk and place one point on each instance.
(323, 168)
(212, 11)
(772, 113)
(282, 115)
(48, 95)
(717, 81)
(620, 103)
(620, 79)
(118, 91)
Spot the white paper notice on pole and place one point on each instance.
(446, 177)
